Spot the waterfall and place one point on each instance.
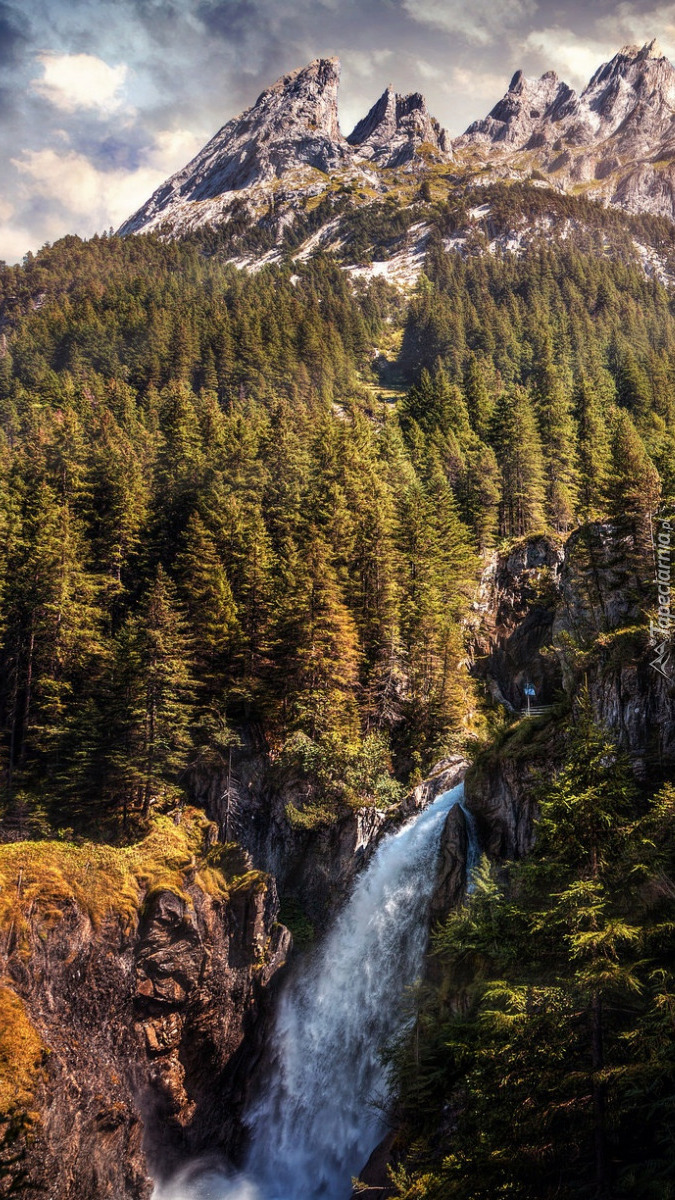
(322, 1110)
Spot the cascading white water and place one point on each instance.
(321, 1112)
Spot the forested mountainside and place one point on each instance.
(256, 514)
(211, 512)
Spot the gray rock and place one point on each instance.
(395, 128)
(618, 135)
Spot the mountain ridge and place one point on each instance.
(614, 142)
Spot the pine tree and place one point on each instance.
(208, 601)
(519, 453)
(594, 451)
(525, 1041)
(152, 698)
(634, 487)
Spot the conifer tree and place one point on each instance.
(634, 488)
(152, 698)
(594, 451)
(519, 453)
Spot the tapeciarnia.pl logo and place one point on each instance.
(660, 630)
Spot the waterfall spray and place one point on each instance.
(322, 1109)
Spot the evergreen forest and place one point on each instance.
(257, 506)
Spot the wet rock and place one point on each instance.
(374, 1178)
(151, 1033)
(451, 877)
(315, 866)
(444, 776)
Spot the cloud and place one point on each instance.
(482, 21)
(81, 81)
(13, 35)
(638, 24)
(58, 183)
(575, 58)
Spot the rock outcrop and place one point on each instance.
(532, 112)
(565, 617)
(395, 129)
(515, 610)
(151, 1018)
(316, 862)
(451, 878)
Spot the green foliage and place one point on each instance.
(546, 376)
(544, 1052)
(202, 524)
(192, 537)
(343, 774)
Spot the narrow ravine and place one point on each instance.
(322, 1109)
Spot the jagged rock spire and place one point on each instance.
(395, 128)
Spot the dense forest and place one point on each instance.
(235, 502)
(210, 513)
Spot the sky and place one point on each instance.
(101, 100)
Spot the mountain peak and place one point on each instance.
(394, 129)
(308, 94)
(292, 125)
(520, 114)
(649, 50)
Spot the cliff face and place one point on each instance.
(316, 861)
(148, 1010)
(566, 618)
(614, 139)
(395, 128)
(516, 606)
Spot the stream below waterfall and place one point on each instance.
(322, 1111)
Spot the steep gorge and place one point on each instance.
(151, 1011)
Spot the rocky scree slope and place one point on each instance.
(274, 164)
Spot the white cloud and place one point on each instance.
(366, 62)
(482, 86)
(427, 70)
(94, 199)
(80, 81)
(482, 21)
(574, 58)
(639, 25)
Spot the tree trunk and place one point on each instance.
(602, 1181)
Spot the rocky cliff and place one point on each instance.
(396, 128)
(136, 985)
(292, 128)
(314, 856)
(565, 617)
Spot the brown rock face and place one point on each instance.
(518, 598)
(150, 1033)
(452, 868)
